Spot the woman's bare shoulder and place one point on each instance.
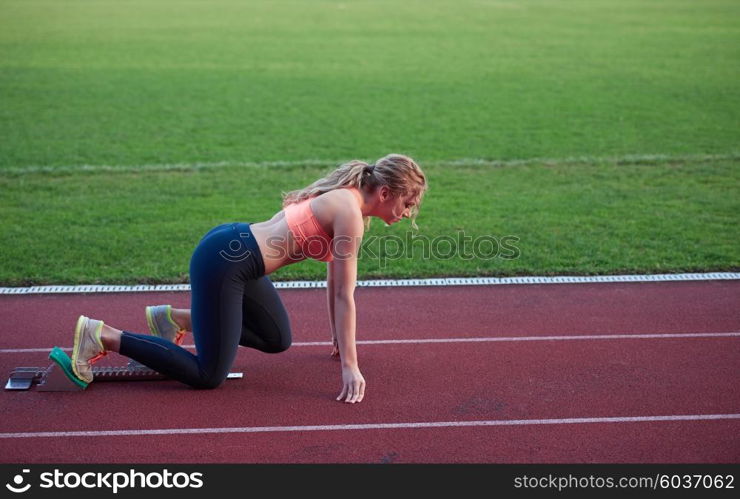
(339, 200)
(339, 204)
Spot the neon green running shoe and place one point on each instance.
(159, 319)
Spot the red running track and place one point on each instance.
(544, 401)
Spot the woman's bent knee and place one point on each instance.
(207, 385)
(277, 347)
(208, 382)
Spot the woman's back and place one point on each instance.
(277, 241)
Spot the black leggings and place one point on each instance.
(233, 303)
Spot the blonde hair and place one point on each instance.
(400, 173)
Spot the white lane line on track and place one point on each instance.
(434, 282)
(472, 340)
(369, 426)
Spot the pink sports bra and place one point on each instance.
(311, 237)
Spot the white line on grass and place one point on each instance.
(370, 426)
(472, 340)
(435, 282)
(630, 159)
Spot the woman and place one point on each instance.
(233, 301)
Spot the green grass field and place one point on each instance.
(602, 134)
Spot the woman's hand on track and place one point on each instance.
(353, 385)
(334, 348)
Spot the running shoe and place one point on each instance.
(160, 322)
(88, 347)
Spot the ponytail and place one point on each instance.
(400, 173)
(353, 174)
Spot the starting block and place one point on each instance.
(59, 377)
